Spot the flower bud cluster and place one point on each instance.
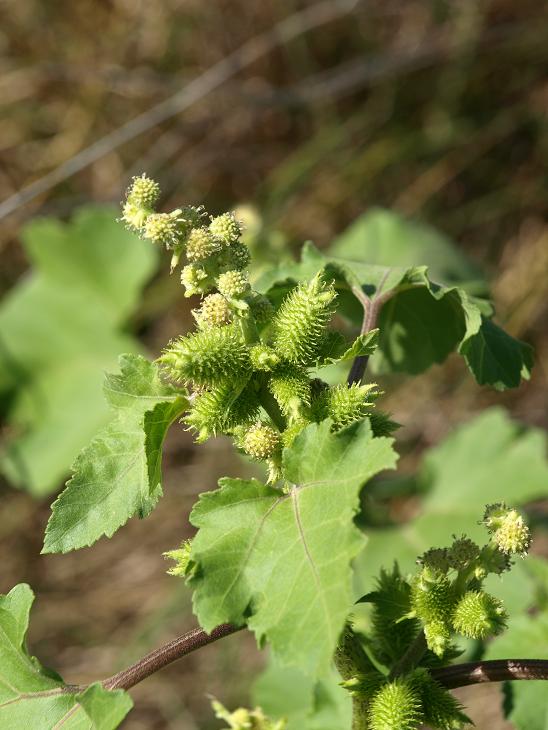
(447, 595)
(248, 363)
(443, 599)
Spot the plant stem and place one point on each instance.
(411, 658)
(371, 309)
(369, 321)
(494, 670)
(349, 658)
(170, 652)
(270, 405)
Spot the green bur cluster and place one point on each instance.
(248, 365)
(445, 598)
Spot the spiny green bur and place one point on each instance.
(222, 408)
(392, 631)
(440, 709)
(299, 324)
(396, 706)
(478, 615)
(290, 386)
(207, 357)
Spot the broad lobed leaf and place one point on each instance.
(421, 322)
(281, 561)
(119, 474)
(34, 697)
(385, 238)
(61, 328)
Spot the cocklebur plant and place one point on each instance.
(245, 358)
(277, 557)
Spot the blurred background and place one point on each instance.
(304, 116)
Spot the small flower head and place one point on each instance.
(193, 216)
(143, 192)
(234, 257)
(225, 228)
(200, 244)
(195, 280)
(478, 615)
(508, 529)
(436, 559)
(215, 311)
(233, 284)
(164, 228)
(261, 442)
(181, 556)
(134, 216)
(462, 553)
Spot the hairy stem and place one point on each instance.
(411, 658)
(170, 652)
(371, 309)
(494, 670)
(350, 659)
(370, 312)
(268, 402)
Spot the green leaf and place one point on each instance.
(365, 344)
(489, 459)
(119, 474)
(281, 561)
(497, 359)
(61, 327)
(526, 637)
(307, 704)
(385, 238)
(34, 697)
(420, 322)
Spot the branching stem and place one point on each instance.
(268, 402)
(371, 309)
(457, 675)
(370, 313)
